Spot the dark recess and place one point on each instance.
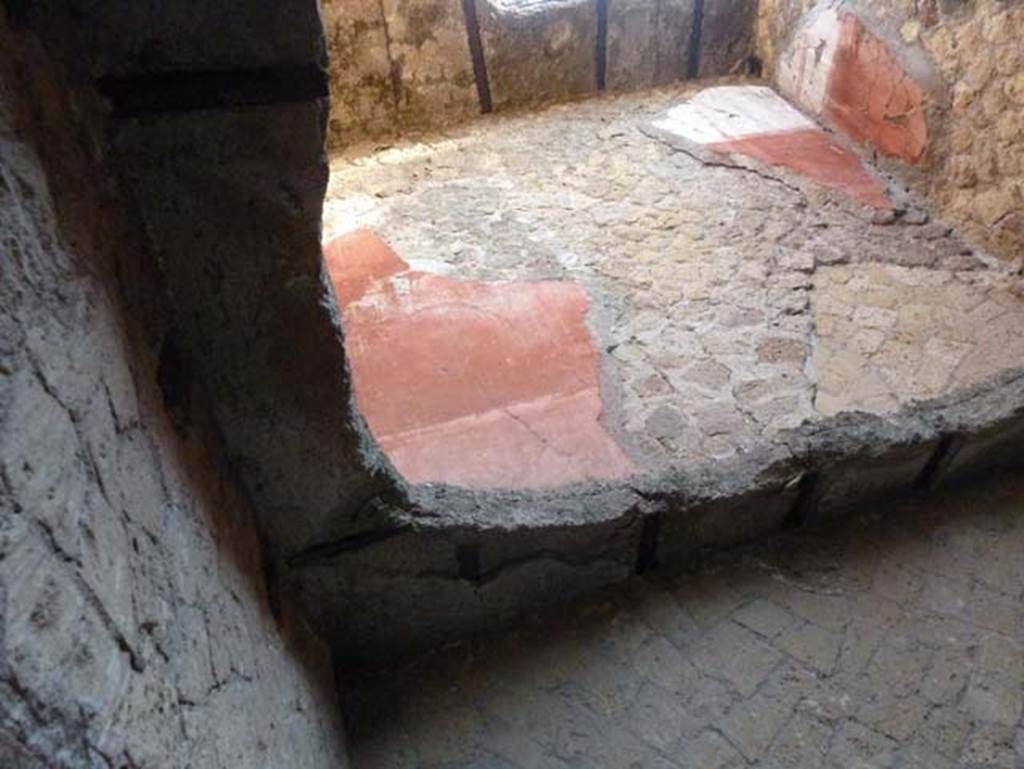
(135, 95)
(468, 558)
(806, 501)
(696, 33)
(947, 449)
(476, 52)
(647, 552)
(601, 54)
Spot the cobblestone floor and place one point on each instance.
(728, 303)
(894, 640)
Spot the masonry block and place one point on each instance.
(727, 36)
(432, 64)
(648, 42)
(539, 52)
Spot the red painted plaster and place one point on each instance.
(488, 385)
(814, 154)
(358, 259)
(871, 98)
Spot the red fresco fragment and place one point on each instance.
(871, 98)
(487, 385)
(814, 154)
(356, 260)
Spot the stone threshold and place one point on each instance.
(453, 561)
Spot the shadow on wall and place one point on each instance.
(138, 629)
(408, 65)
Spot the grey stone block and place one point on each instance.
(433, 67)
(727, 36)
(421, 588)
(539, 52)
(648, 42)
(868, 475)
(997, 447)
(254, 308)
(721, 523)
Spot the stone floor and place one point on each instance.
(895, 640)
(726, 301)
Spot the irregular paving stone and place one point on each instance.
(695, 272)
(699, 357)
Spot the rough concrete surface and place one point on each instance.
(136, 629)
(894, 640)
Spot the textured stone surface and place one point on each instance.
(895, 640)
(716, 310)
(255, 307)
(539, 52)
(727, 37)
(363, 94)
(430, 53)
(648, 42)
(137, 627)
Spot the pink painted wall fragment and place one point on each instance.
(837, 69)
(871, 98)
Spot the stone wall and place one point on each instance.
(405, 65)
(136, 624)
(957, 69)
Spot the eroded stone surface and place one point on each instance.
(895, 640)
(428, 46)
(708, 282)
(887, 334)
(871, 97)
(727, 38)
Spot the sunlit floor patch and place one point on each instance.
(479, 384)
(756, 123)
